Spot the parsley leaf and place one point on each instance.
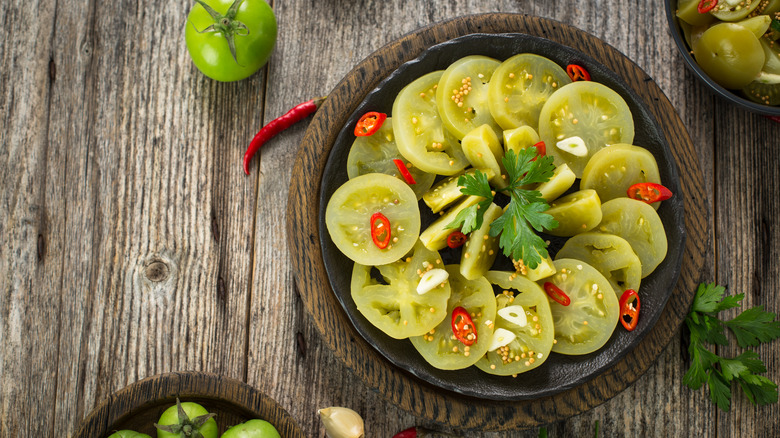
(471, 218)
(775, 24)
(751, 327)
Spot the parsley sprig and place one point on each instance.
(523, 214)
(750, 328)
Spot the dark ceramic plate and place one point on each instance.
(733, 96)
(559, 372)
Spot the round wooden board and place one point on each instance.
(402, 389)
(138, 406)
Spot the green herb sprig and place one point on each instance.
(750, 328)
(523, 214)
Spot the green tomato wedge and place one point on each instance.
(439, 347)
(484, 152)
(587, 323)
(481, 249)
(609, 254)
(419, 133)
(435, 236)
(612, 170)
(640, 225)
(375, 154)
(462, 95)
(349, 211)
(519, 88)
(576, 213)
(588, 110)
(447, 191)
(393, 305)
(520, 138)
(560, 181)
(530, 321)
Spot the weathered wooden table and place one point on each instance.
(132, 244)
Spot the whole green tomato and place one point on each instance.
(128, 434)
(252, 429)
(229, 40)
(188, 424)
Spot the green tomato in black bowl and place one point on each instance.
(229, 40)
(252, 429)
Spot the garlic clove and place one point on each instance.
(514, 314)
(500, 338)
(573, 145)
(342, 422)
(431, 280)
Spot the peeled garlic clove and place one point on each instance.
(573, 145)
(514, 314)
(342, 423)
(432, 279)
(500, 338)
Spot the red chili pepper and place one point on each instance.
(404, 171)
(456, 239)
(557, 294)
(369, 123)
(541, 148)
(706, 6)
(629, 313)
(420, 432)
(463, 327)
(277, 125)
(380, 230)
(649, 192)
(577, 73)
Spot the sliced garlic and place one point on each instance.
(500, 338)
(432, 279)
(514, 314)
(342, 423)
(573, 145)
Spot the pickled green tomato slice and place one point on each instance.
(726, 12)
(533, 341)
(560, 181)
(589, 110)
(348, 217)
(587, 323)
(609, 254)
(439, 347)
(640, 225)
(612, 170)
(520, 87)
(375, 154)
(394, 306)
(576, 213)
(480, 250)
(483, 150)
(462, 95)
(419, 133)
(435, 236)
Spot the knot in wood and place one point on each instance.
(157, 271)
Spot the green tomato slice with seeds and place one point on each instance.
(612, 170)
(587, 323)
(349, 211)
(439, 346)
(419, 133)
(519, 88)
(576, 213)
(609, 254)
(375, 154)
(462, 95)
(393, 304)
(588, 110)
(530, 321)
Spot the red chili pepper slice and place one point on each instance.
(277, 125)
(629, 309)
(541, 148)
(380, 230)
(706, 6)
(577, 73)
(649, 192)
(557, 294)
(369, 123)
(463, 327)
(404, 171)
(456, 239)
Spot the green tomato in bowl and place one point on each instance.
(252, 429)
(229, 40)
(189, 423)
(128, 434)
(730, 54)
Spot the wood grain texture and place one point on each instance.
(131, 243)
(363, 359)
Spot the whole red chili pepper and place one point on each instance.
(277, 125)
(577, 73)
(629, 309)
(421, 432)
(649, 192)
(706, 6)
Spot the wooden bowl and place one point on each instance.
(138, 406)
(399, 386)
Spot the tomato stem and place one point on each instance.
(226, 25)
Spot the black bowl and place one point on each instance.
(732, 96)
(559, 372)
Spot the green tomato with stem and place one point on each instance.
(229, 40)
(186, 420)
